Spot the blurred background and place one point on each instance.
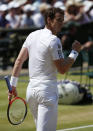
(18, 18)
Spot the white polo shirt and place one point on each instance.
(43, 47)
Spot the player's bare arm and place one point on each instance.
(23, 55)
(63, 65)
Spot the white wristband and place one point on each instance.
(13, 81)
(73, 54)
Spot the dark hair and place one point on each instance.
(51, 13)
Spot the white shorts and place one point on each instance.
(43, 105)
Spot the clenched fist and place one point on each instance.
(76, 46)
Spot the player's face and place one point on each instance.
(57, 22)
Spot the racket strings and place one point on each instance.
(17, 111)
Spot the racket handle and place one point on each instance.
(8, 84)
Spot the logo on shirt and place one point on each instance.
(60, 53)
(74, 52)
(59, 46)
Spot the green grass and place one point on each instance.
(68, 115)
(74, 116)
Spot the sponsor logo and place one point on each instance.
(60, 53)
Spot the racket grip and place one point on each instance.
(8, 84)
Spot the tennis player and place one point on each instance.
(44, 50)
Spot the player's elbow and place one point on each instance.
(62, 70)
(61, 67)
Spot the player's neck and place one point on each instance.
(51, 29)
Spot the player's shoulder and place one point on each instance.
(33, 34)
(54, 40)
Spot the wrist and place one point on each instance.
(73, 54)
(13, 81)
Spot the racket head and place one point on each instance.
(16, 111)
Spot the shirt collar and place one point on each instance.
(47, 30)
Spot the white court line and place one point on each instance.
(76, 128)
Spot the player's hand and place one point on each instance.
(13, 93)
(76, 46)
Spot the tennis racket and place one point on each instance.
(17, 108)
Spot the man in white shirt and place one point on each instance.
(13, 18)
(45, 57)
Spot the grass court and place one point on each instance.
(69, 116)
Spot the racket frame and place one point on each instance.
(9, 106)
(10, 102)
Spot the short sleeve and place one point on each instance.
(27, 42)
(56, 49)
